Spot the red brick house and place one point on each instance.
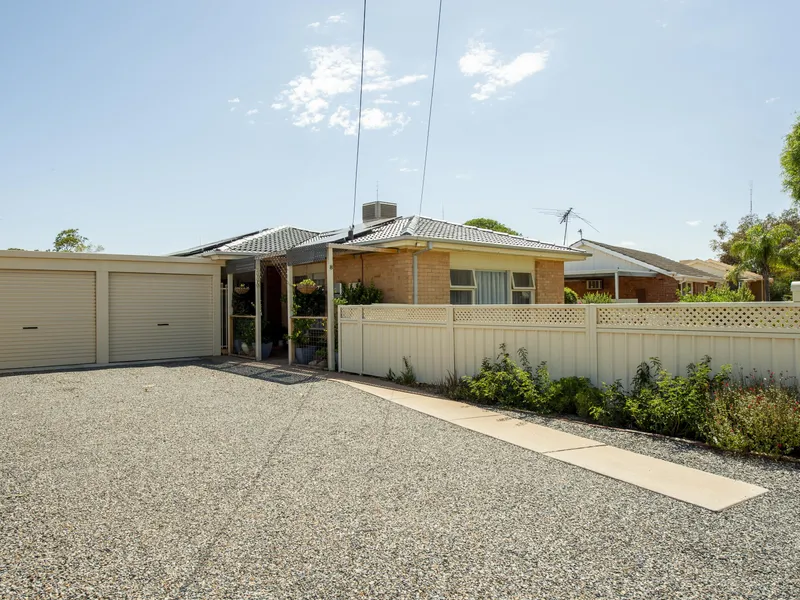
(633, 275)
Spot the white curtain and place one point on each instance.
(492, 287)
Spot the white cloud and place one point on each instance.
(252, 111)
(693, 223)
(394, 159)
(234, 100)
(384, 100)
(414, 103)
(407, 170)
(628, 244)
(335, 71)
(771, 100)
(314, 25)
(371, 118)
(482, 60)
(336, 19)
(233, 108)
(251, 122)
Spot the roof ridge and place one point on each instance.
(246, 238)
(521, 237)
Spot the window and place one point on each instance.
(460, 296)
(462, 278)
(522, 285)
(462, 286)
(594, 284)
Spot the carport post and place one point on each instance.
(257, 264)
(228, 313)
(331, 315)
(616, 284)
(289, 305)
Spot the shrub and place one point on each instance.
(570, 296)
(596, 298)
(672, 405)
(360, 294)
(406, 377)
(720, 293)
(756, 415)
(501, 382)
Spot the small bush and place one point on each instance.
(570, 296)
(501, 382)
(406, 376)
(720, 293)
(756, 415)
(596, 298)
(360, 294)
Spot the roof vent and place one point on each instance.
(374, 211)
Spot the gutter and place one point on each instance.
(414, 268)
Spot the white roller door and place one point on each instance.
(154, 316)
(47, 318)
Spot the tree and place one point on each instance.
(70, 240)
(726, 237)
(790, 162)
(485, 223)
(766, 250)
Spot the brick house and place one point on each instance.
(753, 281)
(633, 275)
(413, 260)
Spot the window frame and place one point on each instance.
(523, 288)
(512, 287)
(589, 287)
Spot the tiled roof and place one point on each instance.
(211, 246)
(721, 266)
(434, 229)
(654, 260)
(278, 239)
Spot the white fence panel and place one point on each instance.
(602, 342)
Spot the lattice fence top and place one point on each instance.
(351, 313)
(696, 316)
(406, 314)
(562, 316)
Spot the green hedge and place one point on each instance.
(746, 413)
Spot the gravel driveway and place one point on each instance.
(192, 481)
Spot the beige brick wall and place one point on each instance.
(433, 278)
(549, 282)
(390, 273)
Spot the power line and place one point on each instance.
(360, 103)
(430, 109)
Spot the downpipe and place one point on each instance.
(414, 268)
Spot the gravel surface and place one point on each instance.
(193, 481)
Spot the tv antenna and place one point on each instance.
(564, 217)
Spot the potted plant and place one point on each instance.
(266, 340)
(303, 352)
(248, 336)
(307, 286)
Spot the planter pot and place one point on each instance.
(306, 288)
(266, 350)
(304, 355)
(237, 346)
(248, 349)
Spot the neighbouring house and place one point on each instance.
(753, 281)
(633, 275)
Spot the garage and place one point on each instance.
(155, 316)
(63, 309)
(47, 318)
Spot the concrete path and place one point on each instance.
(707, 490)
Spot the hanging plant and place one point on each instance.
(307, 286)
(241, 289)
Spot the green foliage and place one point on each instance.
(720, 293)
(70, 240)
(406, 376)
(360, 294)
(300, 331)
(306, 281)
(596, 298)
(756, 414)
(570, 296)
(245, 330)
(485, 223)
(310, 305)
(790, 162)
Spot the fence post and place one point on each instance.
(796, 291)
(360, 338)
(591, 341)
(451, 339)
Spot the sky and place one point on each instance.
(154, 126)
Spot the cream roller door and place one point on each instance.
(47, 318)
(154, 316)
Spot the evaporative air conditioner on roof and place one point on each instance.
(374, 211)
